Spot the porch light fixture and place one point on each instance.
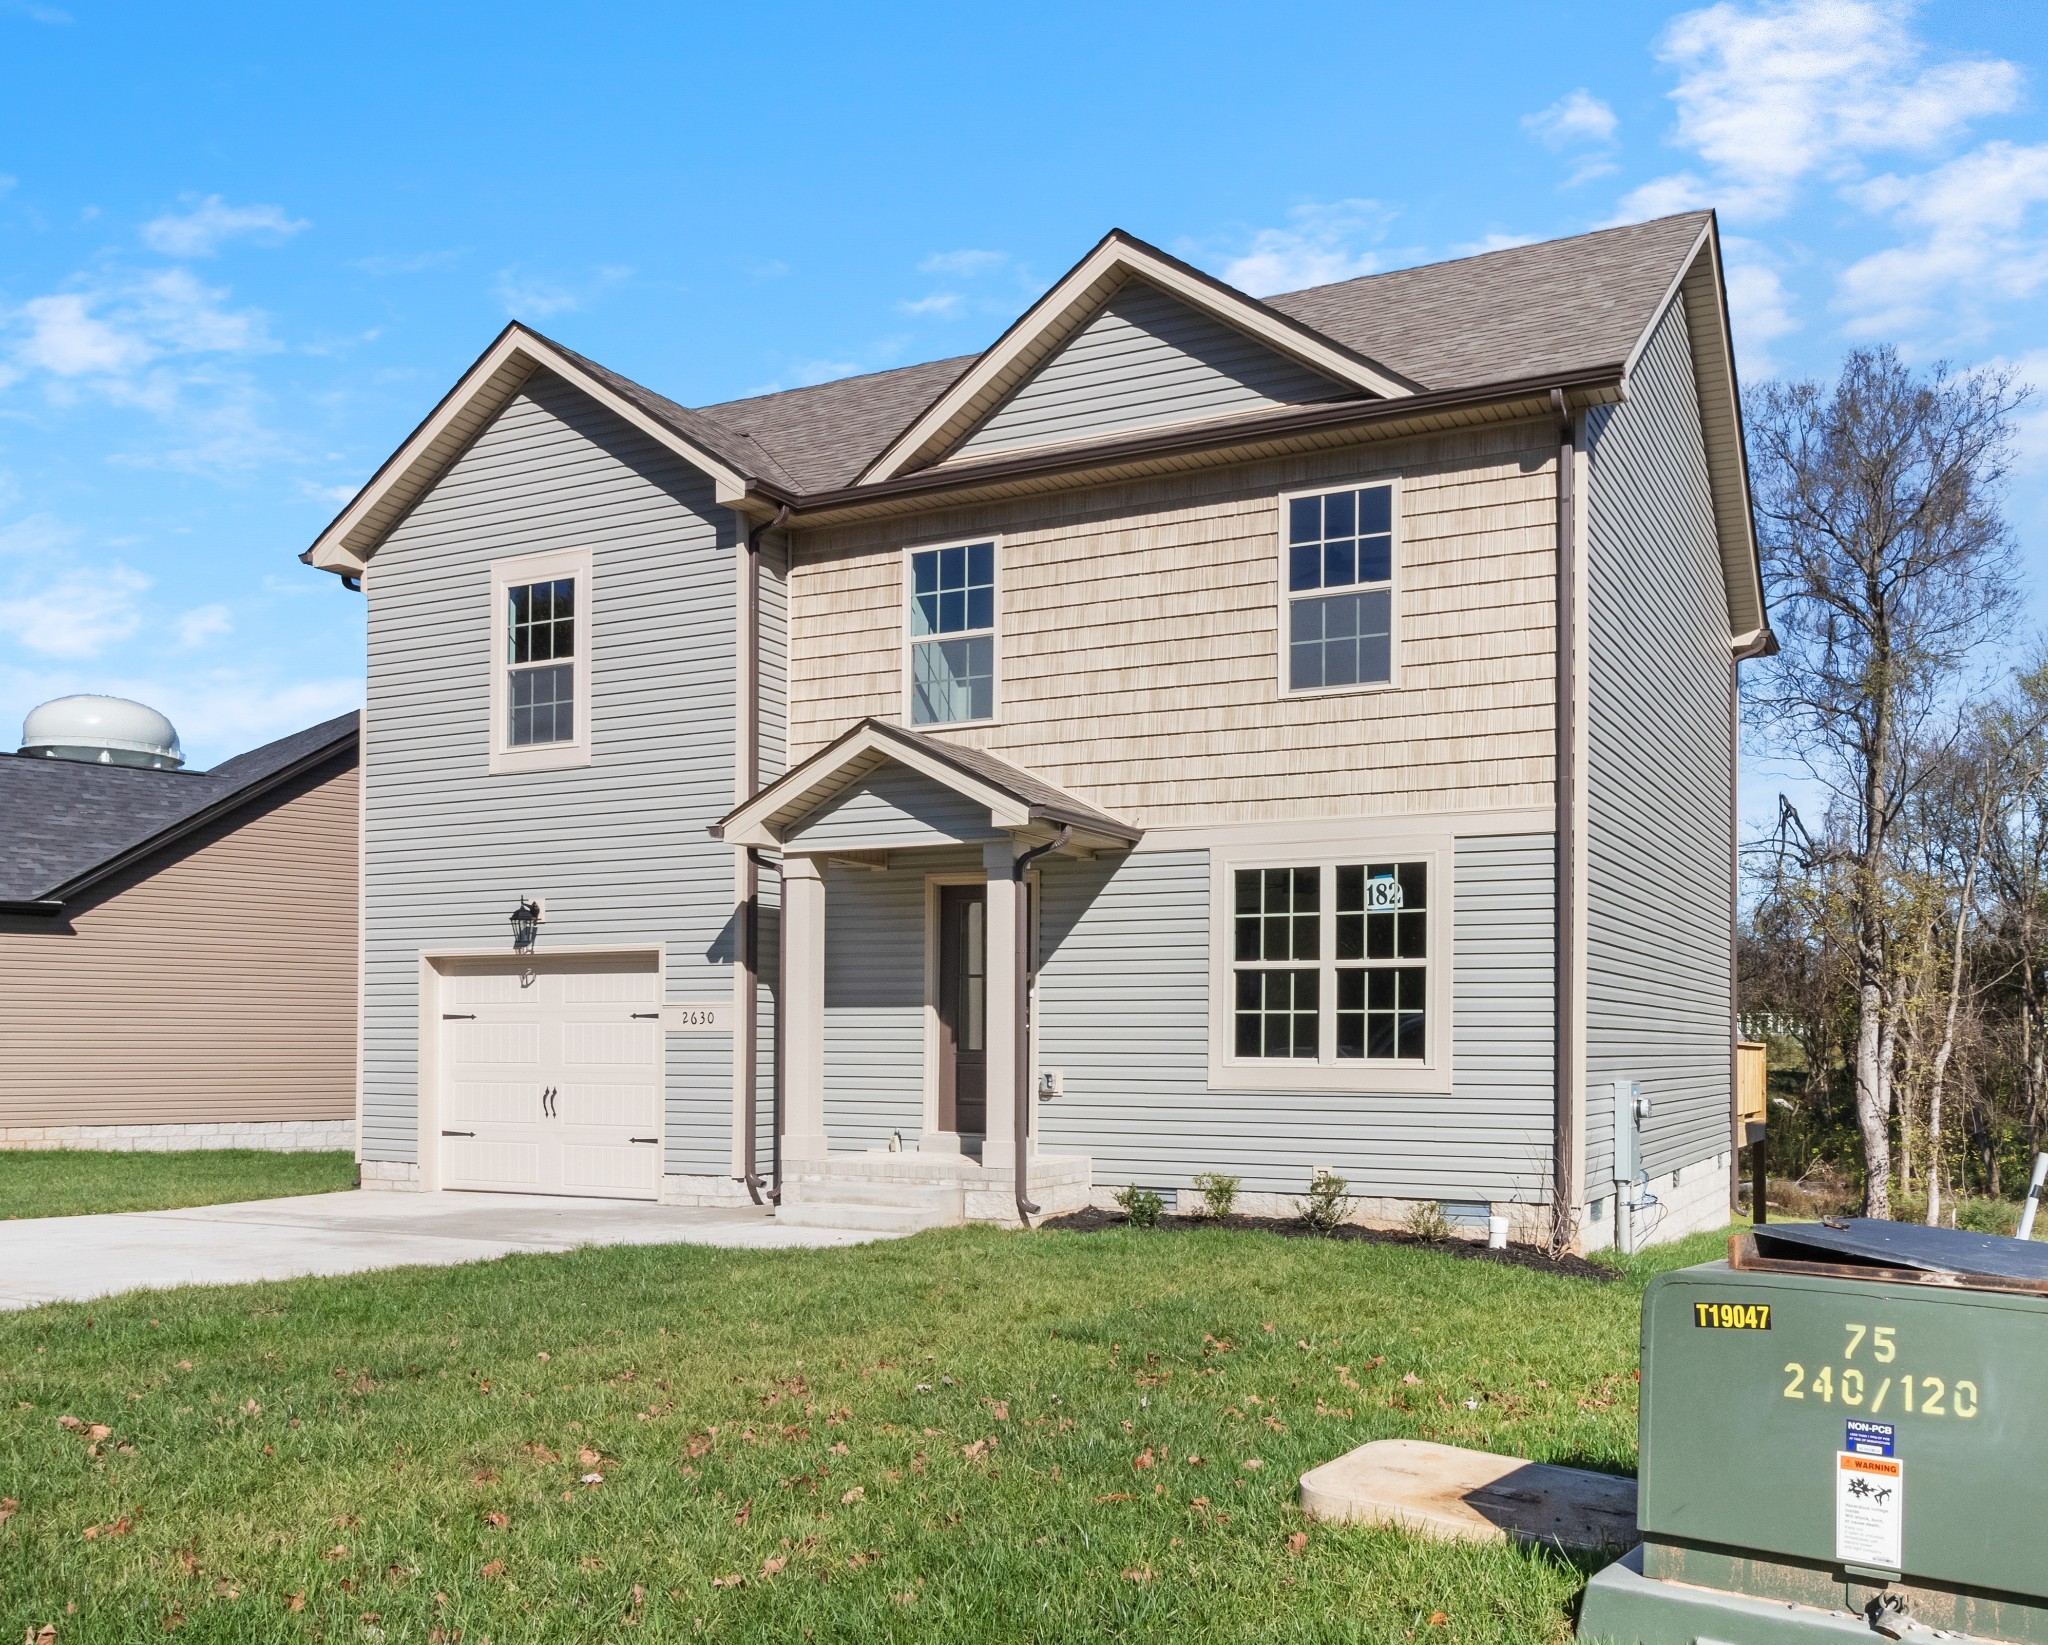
(526, 920)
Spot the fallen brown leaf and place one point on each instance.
(338, 1551)
(295, 1602)
(1141, 1573)
(1143, 1459)
(8, 1507)
(1252, 1462)
(770, 1566)
(492, 1571)
(1297, 1542)
(734, 1581)
(1438, 1618)
(1410, 1379)
(857, 1494)
(497, 1522)
(998, 1408)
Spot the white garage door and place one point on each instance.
(551, 1077)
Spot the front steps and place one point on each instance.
(904, 1192)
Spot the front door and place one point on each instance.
(551, 1077)
(963, 1009)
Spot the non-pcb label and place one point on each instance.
(1870, 1509)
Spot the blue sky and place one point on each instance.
(247, 247)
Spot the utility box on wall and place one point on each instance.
(1860, 1434)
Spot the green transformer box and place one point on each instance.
(1844, 1434)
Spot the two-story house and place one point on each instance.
(1196, 734)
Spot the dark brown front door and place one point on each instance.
(963, 1009)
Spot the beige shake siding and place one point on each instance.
(213, 983)
(1139, 638)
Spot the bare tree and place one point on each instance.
(1888, 563)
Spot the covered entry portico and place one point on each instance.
(888, 814)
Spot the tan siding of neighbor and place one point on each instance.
(215, 984)
(1139, 634)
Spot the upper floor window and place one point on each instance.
(952, 621)
(1339, 569)
(540, 679)
(541, 619)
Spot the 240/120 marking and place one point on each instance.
(1935, 1397)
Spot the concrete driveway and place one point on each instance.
(72, 1259)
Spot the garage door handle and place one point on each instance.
(647, 1016)
(643, 1139)
(458, 1133)
(458, 1016)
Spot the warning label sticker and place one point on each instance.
(1870, 1509)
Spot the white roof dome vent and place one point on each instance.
(101, 731)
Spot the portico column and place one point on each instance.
(1007, 914)
(803, 1005)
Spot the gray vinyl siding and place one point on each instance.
(1124, 1013)
(1147, 358)
(617, 849)
(1658, 794)
(874, 999)
(893, 806)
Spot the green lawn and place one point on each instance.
(971, 1435)
(76, 1182)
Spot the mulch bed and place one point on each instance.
(1094, 1220)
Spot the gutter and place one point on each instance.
(1209, 437)
(185, 826)
(1026, 1097)
(750, 890)
(1564, 788)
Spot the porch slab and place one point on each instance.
(937, 1189)
(1452, 1494)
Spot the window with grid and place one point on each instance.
(1340, 588)
(952, 634)
(1330, 962)
(541, 653)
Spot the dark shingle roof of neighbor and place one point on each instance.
(1577, 304)
(62, 819)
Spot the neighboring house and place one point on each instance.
(178, 949)
(1130, 752)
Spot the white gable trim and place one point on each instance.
(1063, 310)
(763, 819)
(347, 544)
(1701, 286)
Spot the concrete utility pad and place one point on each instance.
(1453, 1494)
(72, 1259)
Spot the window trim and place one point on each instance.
(507, 574)
(1362, 1076)
(905, 592)
(1283, 670)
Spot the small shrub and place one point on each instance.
(1141, 1205)
(1426, 1220)
(1328, 1202)
(1219, 1193)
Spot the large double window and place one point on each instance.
(540, 674)
(1339, 571)
(952, 623)
(1331, 964)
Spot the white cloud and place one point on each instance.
(35, 534)
(523, 295)
(1771, 96)
(963, 264)
(945, 304)
(1315, 249)
(110, 331)
(1494, 241)
(1759, 309)
(200, 231)
(2031, 426)
(201, 626)
(1973, 237)
(336, 494)
(1575, 118)
(78, 615)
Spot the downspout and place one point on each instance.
(757, 861)
(1564, 1099)
(1021, 1074)
(750, 885)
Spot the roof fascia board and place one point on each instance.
(356, 532)
(1214, 438)
(1060, 312)
(844, 762)
(194, 821)
(1702, 286)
